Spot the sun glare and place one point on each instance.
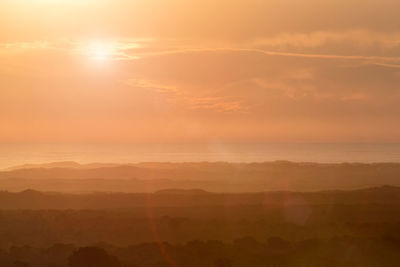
(101, 51)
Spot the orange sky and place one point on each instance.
(199, 70)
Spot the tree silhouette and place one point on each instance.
(92, 257)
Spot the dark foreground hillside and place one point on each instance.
(198, 228)
(273, 251)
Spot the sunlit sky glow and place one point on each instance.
(195, 71)
(101, 50)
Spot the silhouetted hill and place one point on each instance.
(62, 164)
(31, 199)
(65, 164)
(118, 172)
(215, 177)
(176, 216)
(182, 192)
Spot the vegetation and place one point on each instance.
(274, 251)
(196, 228)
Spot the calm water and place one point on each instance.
(15, 154)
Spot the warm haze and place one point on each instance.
(199, 71)
(199, 133)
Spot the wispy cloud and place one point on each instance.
(190, 99)
(378, 60)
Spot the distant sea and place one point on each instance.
(16, 154)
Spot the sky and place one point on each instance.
(199, 71)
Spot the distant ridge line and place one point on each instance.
(95, 165)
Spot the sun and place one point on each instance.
(101, 51)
